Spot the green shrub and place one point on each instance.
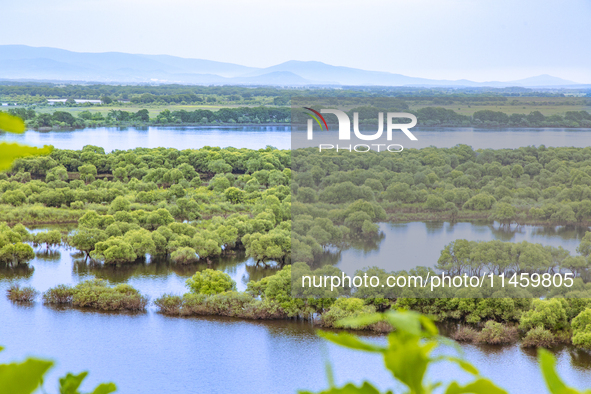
(210, 281)
(21, 294)
(549, 314)
(61, 294)
(169, 304)
(77, 205)
(495, 333)
(184, 255)
(98, 295)
(345, 308)
(277, 289)
(539, 337)
(582, 329)
(230, 303)
(465, 334)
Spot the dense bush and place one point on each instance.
(495, 333)
(539, 337)
(97, 294)
(21, 294)
(549, 314)
(61, 294)
(210, 282)
(582, 329)
(230, 303)
(343, 308)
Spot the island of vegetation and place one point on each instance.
(285, 209)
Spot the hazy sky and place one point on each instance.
(479, 40)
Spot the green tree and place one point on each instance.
(87, 173)
(503, 212)
(234, 195)
(582, 329)
(210, 281)
(435, 203)
(114, 251)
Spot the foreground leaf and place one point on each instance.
(407, 359)
(350, 388)
(466, 366)
(23, 378)
(350, 341)
(105, 388)
(360, 321)
(411, 322)
(69, 384)
(12, 151)
(12, 124)
(480, 386)
(553, 381)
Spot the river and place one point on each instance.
(280, 137)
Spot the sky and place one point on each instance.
(480, 40)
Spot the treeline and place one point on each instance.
(438, 116)
(477, 258)
(534, 119)
(228, 116)
(428, 116)
(49, 90)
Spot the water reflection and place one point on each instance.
(48, 255)
(18, 271)
(403, 246)
(580, 359)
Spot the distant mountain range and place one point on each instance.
(21, 62)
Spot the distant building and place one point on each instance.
(77, 101)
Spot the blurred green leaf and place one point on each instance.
(350, 341)
(466, 366)
(69, 384)
(366, 388)
(408, 360)
(105, 388)
(12, 124)
(12, 151)
(553, 381)
(480, 386)
(23, 378)
(360, 321)
(411, 322)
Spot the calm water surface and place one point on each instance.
(280, 137)
(151, 353)
(403, 246)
